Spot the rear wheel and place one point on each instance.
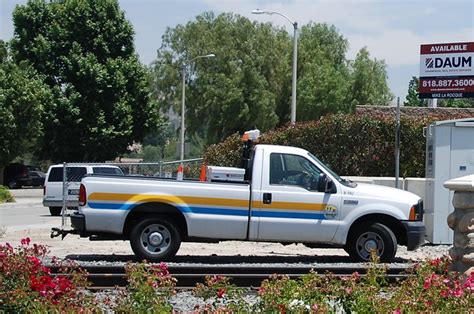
(55, 211)
(14, 185)
(372, 237)
(155, 239)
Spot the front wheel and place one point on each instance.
(155, 239)
(374, 237)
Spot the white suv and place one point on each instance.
(53, 185)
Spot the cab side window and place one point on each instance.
(288, 169)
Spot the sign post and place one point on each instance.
(447, 70)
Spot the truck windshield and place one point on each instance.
(343, 181)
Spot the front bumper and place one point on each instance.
(415, 233)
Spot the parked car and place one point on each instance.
(17, 175)
(53, 187)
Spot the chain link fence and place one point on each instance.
(69, 176)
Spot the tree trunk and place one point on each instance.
(2, 168)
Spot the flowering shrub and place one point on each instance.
(148, 291)
(429, 288)
(27, 285)
(356, 145)
(433, 288)
(223, 296)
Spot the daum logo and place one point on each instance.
(429, 63)
(448, 62)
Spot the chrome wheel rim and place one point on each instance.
(156, 239)
(367, 242)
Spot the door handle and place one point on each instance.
(267, 198)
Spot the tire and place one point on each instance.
(372, 236)
(55, 211)
(155, 239)
(13, 185)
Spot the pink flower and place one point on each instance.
(348, 290)
(435, 262)
(427, 283)
(397, 311)
(221, 292)
(469, 283)
(457, 293)
(34, 260)
(25, 241)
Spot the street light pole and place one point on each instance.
(295, 57)
(183, 101)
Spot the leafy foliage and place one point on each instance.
(248, 83)
(349, 144)
(85, 51)
(369, 86)
(412, 98)
(238, 88)
(323, 76)
(5, 195)
(23, 96)
(149, 288)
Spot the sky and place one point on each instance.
(392, 30)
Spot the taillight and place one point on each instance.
(82, 195)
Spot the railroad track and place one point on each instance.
(241, 276)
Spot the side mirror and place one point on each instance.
(324, 183)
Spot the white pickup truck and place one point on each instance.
(288, 196)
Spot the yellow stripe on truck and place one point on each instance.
(188, 200)
(182, 200)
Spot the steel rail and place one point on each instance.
(241, 276)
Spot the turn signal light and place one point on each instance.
(413, 213)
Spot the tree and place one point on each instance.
(412, 99)
(456, 102)
(23, 95)
(101, 97)
(369, 81)
(245, 86)
(324, 78)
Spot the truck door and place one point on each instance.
(288, 206)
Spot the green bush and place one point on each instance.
(353, 145)
(5, 195)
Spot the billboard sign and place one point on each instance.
(447, 70)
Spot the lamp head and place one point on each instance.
(258, 11)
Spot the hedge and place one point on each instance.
(353, 145)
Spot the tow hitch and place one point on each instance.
(56, 232)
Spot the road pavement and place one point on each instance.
(27, 212)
